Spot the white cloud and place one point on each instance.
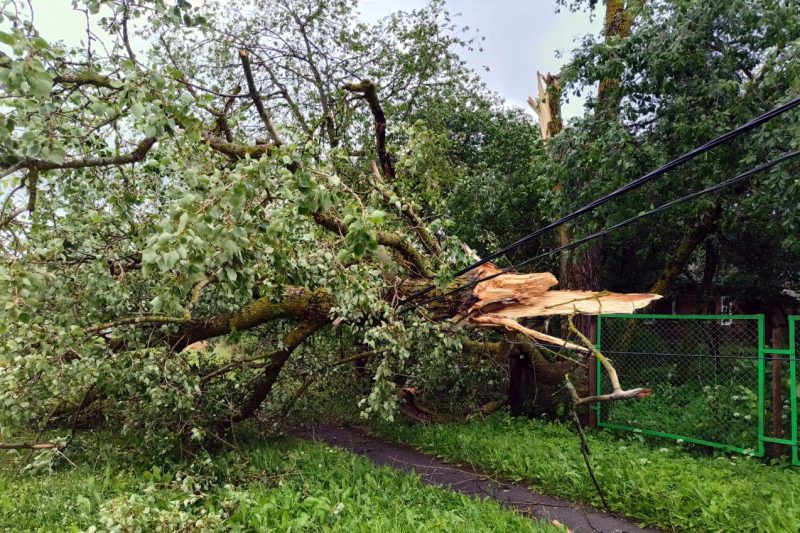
(522, 36)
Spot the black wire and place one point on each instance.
(626, 222)
(638, 182)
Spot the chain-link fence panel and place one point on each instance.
(703, 372)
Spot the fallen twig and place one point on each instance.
(584, 443)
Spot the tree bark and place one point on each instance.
(297, 303)
(707, 225)
(616, 25)
(367, 89)
(272, 370)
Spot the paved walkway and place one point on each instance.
(578, 518)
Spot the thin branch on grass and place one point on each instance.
(584, 443)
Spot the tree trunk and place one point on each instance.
(778, 329)
(534, 383)
(617, 24)
(687, 247)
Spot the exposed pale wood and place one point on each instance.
(578, 302)
(508, 288)
(547, 104)
(494, 320)
(30, 446)
(506, 298)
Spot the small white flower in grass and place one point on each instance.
(663, 450)
(339, 508)
(737, 415)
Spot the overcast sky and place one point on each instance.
(522, 36)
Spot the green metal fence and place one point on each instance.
(715, 381)
(794, 344)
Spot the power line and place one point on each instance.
(635, 184)
(626, 222)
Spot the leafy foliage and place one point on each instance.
(151, 202)
(279, 485)
(689, 72)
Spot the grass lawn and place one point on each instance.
(284, 485)
(667, 486)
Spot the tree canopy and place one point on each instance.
(264, 171)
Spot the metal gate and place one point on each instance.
(715, 381)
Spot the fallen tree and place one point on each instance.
(265, 216)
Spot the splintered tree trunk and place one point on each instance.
(581, 272)
(584, 272)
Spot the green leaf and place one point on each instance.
(40, 43)
(8, 38)
(137, 109)
(41, 84)
(182, 221)
(149, 256)
(56, 154)
(377, 216)
(170, 259)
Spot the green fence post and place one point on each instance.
(793, 385)
(761, 343)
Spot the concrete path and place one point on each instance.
(578, 518)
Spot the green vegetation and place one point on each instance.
(215, 222)
(283, 485)
(704, 377)
(665, 487)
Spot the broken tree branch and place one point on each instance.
(368, 92)
(30, 446)
(504, 298)
(262, 112)
(617, 392)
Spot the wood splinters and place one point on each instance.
(506, 298)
